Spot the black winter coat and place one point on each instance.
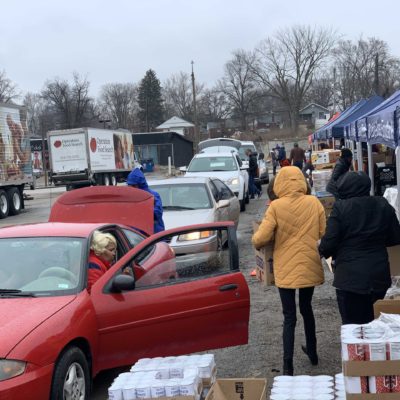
(341, 167)
(359, 229)
(253, 164)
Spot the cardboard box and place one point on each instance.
(371, 368)
(264, 261)
(238, 389)
(325, 157)
(388, 306)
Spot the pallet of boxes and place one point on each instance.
(182, 378)
(324, 162)
(264, 261)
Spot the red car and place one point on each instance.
(55, 336)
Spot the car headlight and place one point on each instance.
(233, 181)
(195, 236)
(11, 368)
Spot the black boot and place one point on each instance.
(313, 356)
(288, 367)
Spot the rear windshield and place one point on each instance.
(212, 164)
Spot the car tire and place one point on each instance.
(113, 180)
(4, 204)
(15, 201)
(243, 205)
(71, 374)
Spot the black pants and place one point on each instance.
(298, 164)
(288, 299)
(357, 308)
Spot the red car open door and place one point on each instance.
(180, 304)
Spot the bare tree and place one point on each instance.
(239, 86)
(8, 90)
(287, 62)
(119, 101)
(214, 106)
(321, 89)
(36, 110)
(70, 102)
(178, 95)
(363, 68)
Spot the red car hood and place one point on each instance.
(106, 204)
(20, 316)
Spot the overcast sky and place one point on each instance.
(118, 40)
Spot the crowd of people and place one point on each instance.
(355, 237)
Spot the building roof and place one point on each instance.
(313, 105)
(175, 122)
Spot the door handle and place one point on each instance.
(229, 286)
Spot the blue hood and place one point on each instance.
(136, 177)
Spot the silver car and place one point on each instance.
(196, 200)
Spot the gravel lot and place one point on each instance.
(262, 356)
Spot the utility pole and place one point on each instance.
(196, 129)
(334, 90)
(376, 80)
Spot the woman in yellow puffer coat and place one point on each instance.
(295, 222)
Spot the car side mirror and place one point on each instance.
(223, 204)
(122, 282)
(183, 169)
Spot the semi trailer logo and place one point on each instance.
(57, 144)
(93, 145)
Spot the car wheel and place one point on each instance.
(243, 205)
(71, 379)
(247, 199)
(4, 204)
(15, 200)
(106, 180)
(113, 180)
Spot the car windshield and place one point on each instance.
(180, 197)
(41, 266)
(242, 151)
(210, 164)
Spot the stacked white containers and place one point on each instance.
(303, 387)
(151, 378)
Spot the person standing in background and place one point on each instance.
(253, 174)
(297, 156)
(342, 166)
(274, 161)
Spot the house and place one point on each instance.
(177, 125)
(313, 112)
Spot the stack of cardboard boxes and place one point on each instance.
(324, 159)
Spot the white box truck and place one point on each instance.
(90, 156)
(15, 159)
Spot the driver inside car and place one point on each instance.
(103, 249)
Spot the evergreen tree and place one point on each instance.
(150, 101)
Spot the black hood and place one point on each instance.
(354, 184)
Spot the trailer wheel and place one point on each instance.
(113, 180)
(106, 180)
(15, 201)
(4, 204)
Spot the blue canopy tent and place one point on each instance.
(322, 132)
(378, 126)
(364, 108)
(336, 130)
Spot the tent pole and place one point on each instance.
(352, 150)
(371, 168)
(359, 156)
(397, 153)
